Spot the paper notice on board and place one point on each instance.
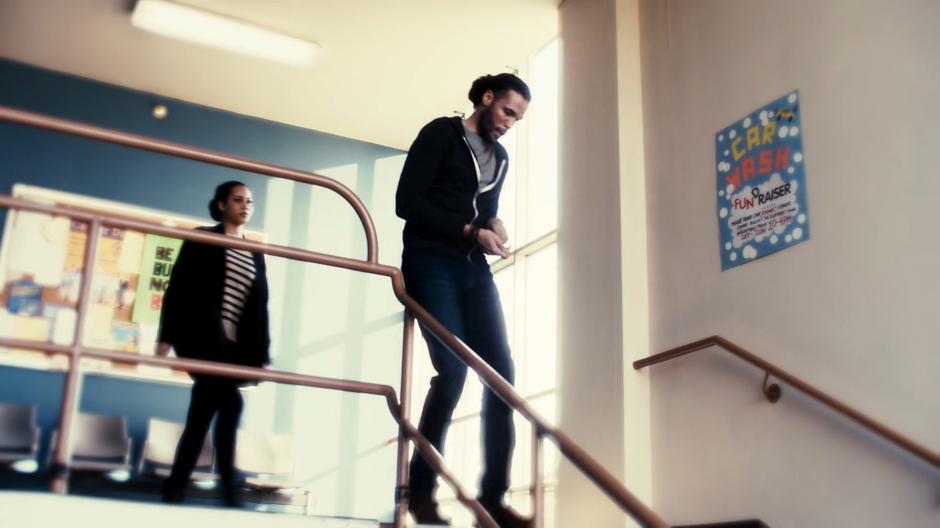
(29, 328)
(132, 248)
(75, 253)
(62, 319)
(98, 326)
(41, 243)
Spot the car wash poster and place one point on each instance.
(761, 183)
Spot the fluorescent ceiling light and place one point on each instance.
(202, 27)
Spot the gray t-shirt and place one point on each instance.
(486, 157)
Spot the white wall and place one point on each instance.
(853, 310)
(590, 334)
(633, 251)
(602, 235)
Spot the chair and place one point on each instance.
(99, 443)
(19, 435)
(160, 449)
(267, 461)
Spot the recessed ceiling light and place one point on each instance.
(203, 27)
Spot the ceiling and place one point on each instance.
(385, 67)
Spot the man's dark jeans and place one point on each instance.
(460, 293)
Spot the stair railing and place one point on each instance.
(542, 429)
(773, 391)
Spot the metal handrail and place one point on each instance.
(204, 155)
(931, 457)
(262, 374)
(205, 237)
(609, 484)
(592, 469)
(76, 351)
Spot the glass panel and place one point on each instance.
(508, 196)
(538, 371)
(382, 207)
(547, 406)
(421, 373)
(505, 283)
(542, 117)
(521, 472)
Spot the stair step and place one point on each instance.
(749, 523)
(49, 509)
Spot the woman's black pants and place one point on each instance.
(211, 396)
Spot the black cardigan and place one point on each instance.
(437, 191)
(191, 318)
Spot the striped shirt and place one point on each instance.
(239, 276)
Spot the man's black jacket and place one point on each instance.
(438, 192)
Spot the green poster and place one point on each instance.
(160, 253)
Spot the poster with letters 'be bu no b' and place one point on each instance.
(761, 183)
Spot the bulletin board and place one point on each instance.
(41, 260)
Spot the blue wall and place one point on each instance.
(66, 163)
(138, 401)
(82, 166)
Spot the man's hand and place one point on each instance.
(492, 243)
(163, 349)
(497, 226)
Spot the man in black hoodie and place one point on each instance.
(448, 196)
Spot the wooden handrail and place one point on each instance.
(931, 457)
(609, 484)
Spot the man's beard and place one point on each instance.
(485, 125)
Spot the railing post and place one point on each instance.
(538, 481)
(73, 380)
(401, 477)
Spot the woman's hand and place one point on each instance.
(163, 349)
